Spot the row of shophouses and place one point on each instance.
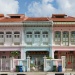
(37, 36)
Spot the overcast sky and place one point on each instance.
(38, 7)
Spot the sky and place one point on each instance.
(38, 8)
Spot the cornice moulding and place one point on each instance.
(10, 23)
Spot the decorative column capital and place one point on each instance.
(28, 57)
(44, 57)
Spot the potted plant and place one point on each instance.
(49, 57)
(14, 53)
(32, 66)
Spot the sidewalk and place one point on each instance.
(38, 73)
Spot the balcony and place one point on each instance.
(16, 40)
(1, 40)
(29, 40)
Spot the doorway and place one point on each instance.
(70, 59)
(37, 60)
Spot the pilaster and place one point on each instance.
(23, 54)
(23, 35)
(63, 63)
(61, 38)
(28, 63)
(45, 63)
(69, 38)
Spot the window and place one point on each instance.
(8, 34)
(45, 37)
(57, 38)
(45, 34)
(3, 57)
(73, 37)
(29, 38)
(37, 34)
(18, 57)
(1, 34)
(29, 34)
(65, 39)
(37, 38)
(16, 34)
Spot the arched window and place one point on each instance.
(8, 34)
(73, 37)
(16, 34)
(45, 38)
(65, 38)
(29, 34)
(45, 34)
(1, 34)
(29, 38)
(37, 34)
(57, 37)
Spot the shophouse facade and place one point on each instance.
(64, 38)
(38, 37)
(10, 34)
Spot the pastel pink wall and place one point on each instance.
(63, 28)
(6, 53)
(61, 48)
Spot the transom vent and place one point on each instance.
(1, 15)
(59, 15)
(14, 16)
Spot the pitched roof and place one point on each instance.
(37, 19)
(11, 20)
(8, 18)
(62, 18)
(55, 18)
(1, 15)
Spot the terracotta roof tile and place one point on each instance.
(37, 19)
(59, 15)
(11, 20)
(1, 15)
(66, 19)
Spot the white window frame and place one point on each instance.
(72, 38)
(57, 37)
(65, 39)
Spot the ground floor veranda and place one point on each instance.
(36, 55)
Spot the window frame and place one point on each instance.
(65, 38)
(57, 37)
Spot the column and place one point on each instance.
(53, 54)
(61, 38)
(12, 38)
(23, 54)
(28, 63)
(44, 63)
(11, 64)
(69, 38)
(22, 37)
(33, 37)
(52, 38)
(52, 34)
(1, 64)
(4, 37)
(63, 63)
(41, 38)
(50, 52)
